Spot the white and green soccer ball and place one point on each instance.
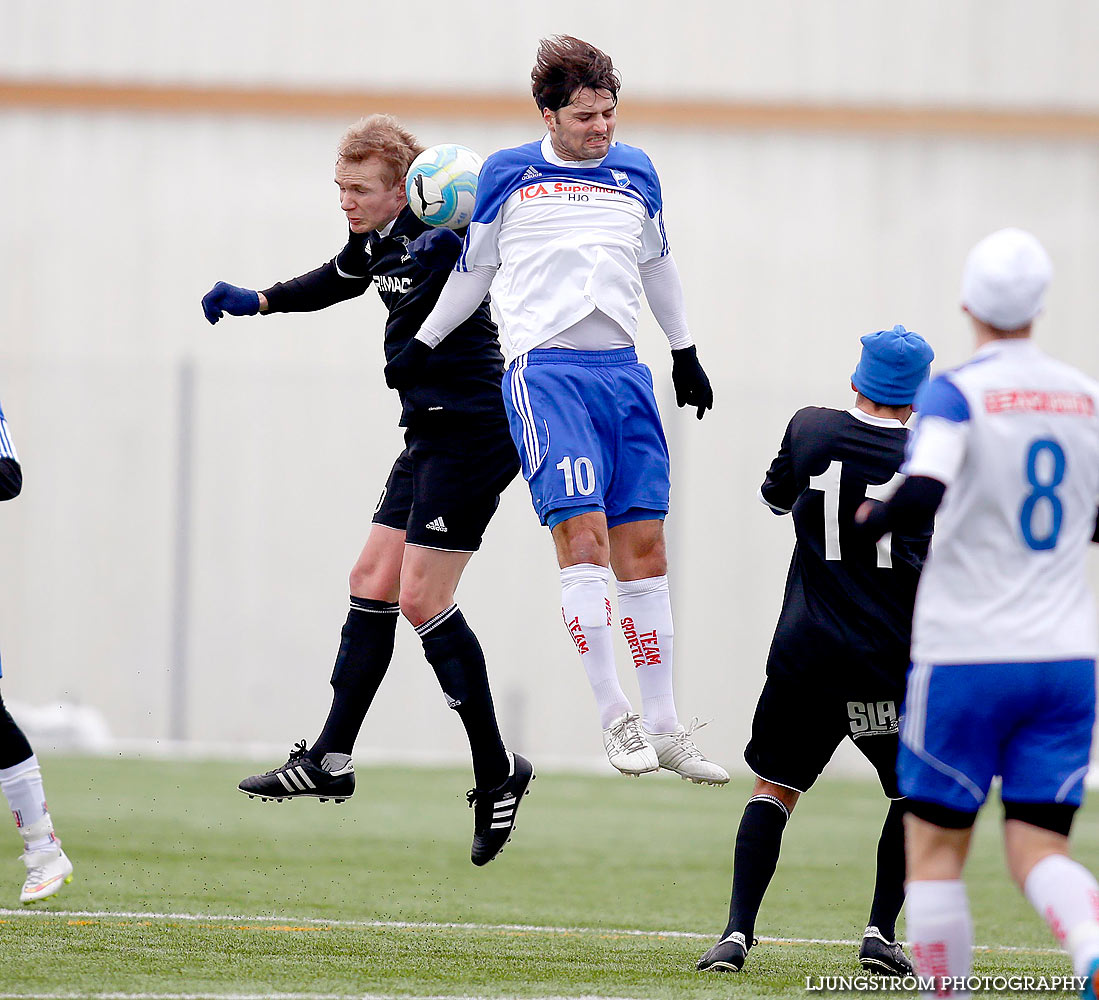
(442, 185)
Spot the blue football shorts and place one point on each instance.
(588, 431)
(1030, 723)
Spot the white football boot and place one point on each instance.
(676, 752)
(48, 869)
(627, 748)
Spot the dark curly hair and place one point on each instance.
(565, 65)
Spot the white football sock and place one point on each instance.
(941, 931)
(22, 787)
(1066, 896)
(587, 614)
(645, 610)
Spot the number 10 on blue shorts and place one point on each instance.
(588, 432)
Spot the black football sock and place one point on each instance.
(455, 654)
(755, 858)
(366, 647)
(889, 882)
(14, 748)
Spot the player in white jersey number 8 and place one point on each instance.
(1006, 449)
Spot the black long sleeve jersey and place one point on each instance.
(846, 599)
(461, 379)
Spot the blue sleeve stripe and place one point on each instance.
(663, 238)
(461, 265)
(942, 398)
(7, 449)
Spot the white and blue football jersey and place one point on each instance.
(566, 236)
(1014, 435)
(7, 449)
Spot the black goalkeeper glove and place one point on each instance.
(403, 370)
(692, 387)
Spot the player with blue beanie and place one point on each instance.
(893, 366)
(837, 663)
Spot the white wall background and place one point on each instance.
(791, 246)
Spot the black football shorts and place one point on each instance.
(446, 484)
(799, 724)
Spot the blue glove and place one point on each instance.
(225, 298)
(401, 372)
(436, 250)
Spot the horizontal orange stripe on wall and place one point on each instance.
(723, 115)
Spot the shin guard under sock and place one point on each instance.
(455, 654)
(755, 857)
(366, 647)
(889, 880)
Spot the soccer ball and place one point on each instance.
(442, 185)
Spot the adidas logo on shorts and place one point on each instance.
(436, 525)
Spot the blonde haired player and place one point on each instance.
(432, 514)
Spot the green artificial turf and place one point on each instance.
(183, 886)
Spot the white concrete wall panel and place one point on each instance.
(791, 245)
(995, 52)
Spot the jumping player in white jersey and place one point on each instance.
(568, 231)
(1004, 638)
(48, 868)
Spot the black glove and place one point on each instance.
(402, 371)
(911, 511)
(692, 387)
(872, 519)
(226, 298)
(436, 250)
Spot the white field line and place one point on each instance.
(439, 925)
(274, 996)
